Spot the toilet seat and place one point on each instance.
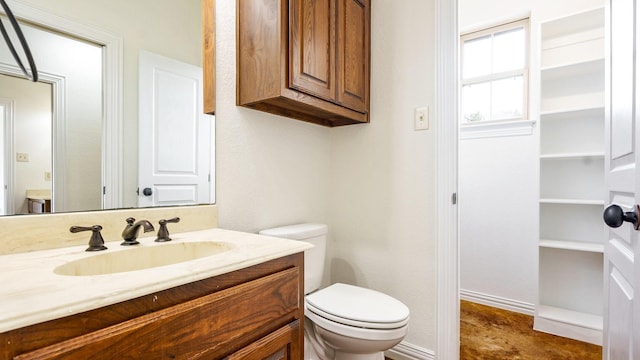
(358, 307)
(355, 331)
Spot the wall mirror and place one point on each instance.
(115, 120)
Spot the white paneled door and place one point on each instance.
(622, 246)
(174, 134)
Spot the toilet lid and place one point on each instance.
(353, 305)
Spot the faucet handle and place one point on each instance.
(163, 232)
(96, 242)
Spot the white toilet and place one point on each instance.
(343, 322)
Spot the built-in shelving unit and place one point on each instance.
(571, 176)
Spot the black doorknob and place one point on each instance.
(147, 192)
(614, 216)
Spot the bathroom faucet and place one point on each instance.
(130, 232)
(163, 233)
(96, 242)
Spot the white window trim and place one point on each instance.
(502, 127)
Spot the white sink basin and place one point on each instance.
(143, 257)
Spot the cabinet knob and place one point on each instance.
(147, 192)
(614, 216)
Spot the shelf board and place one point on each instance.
(590, 111)
(569, 323)
(573, 23)
(572, 245)
(571, 201)
(571, 317)
(582, 68)
(566, 156)
(595, 63)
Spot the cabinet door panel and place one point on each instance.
(353, 54)
(312, 47)
(282, 344)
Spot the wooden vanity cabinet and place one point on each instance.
(308, 60)
(253, 313)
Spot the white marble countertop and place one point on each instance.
(30, 291)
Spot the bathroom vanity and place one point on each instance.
(252, 312)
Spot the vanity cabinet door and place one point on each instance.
(283, 344)
(208, 327)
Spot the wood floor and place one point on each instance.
(495, 334)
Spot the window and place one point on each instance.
(495, 74)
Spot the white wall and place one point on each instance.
(499, 178)
(372, 184)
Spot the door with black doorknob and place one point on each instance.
(622, 162)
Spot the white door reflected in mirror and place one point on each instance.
(174, 144)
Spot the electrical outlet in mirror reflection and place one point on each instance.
(22, 157)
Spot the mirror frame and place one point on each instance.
(112, 125)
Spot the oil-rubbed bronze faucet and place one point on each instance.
(96, 242)
(130, 232)
(163, 233)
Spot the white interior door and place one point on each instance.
(174, 135)
(621, 271)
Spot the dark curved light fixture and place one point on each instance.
(33, 76)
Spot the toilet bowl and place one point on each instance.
(343, 322)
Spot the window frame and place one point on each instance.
(502, 123)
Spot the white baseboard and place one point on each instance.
(498, 302)
(406, 351)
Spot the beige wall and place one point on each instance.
(382, 211)
(372, 184)
(270, 170)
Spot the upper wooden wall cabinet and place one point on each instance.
(209, 55)
(308, 60)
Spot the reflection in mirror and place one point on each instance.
(26, 128)
(93, 143)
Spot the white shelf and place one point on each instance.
(571, 113)
(572, 157)
(575, 69)
(568, 156)
(567, 323)
(572, 245)
(579, 22)
(585, 320)
(572, 201)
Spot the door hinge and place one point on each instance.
(104, 190)
(454, 198)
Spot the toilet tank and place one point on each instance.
(315, 234)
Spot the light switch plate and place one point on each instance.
(421, 118)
